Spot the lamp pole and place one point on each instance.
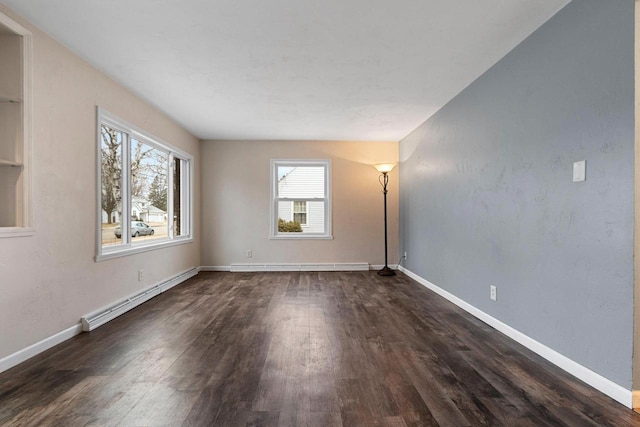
(384, 169)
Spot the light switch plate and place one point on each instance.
(579, 171)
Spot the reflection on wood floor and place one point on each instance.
(298, 349)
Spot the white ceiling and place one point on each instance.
(292, 69)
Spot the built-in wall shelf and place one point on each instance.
(15, 129)
(4, 162)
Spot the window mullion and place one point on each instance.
(125, 215)
(170, 195)
(185, 199)
(276, 199)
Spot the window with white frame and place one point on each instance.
(301, 199)
(144, 193)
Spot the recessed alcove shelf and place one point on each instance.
(15, 129)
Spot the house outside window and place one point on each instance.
(147, 180)
(301, 199)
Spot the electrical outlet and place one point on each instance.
(494, 293)
(405, 255)
(249, 253)
(579, 171)
(139, 275)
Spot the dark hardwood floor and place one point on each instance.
(298, 349)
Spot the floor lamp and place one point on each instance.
(384, 169)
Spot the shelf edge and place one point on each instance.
(4, 162)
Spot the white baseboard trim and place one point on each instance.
(20, 356)
(294, 267)
(245, 268)
(380, 266)
(597, 381)
(119, 308)
(215, 268)
(99, 317)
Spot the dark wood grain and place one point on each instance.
(298, 349)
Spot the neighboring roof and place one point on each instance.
(142, 205)
(153, 209)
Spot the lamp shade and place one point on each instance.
(384, 167)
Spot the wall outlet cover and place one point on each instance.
(579, 171)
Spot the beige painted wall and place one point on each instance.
(49, 280)
(236, 194)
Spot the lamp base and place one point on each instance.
(386, 271)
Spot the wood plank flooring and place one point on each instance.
(298, 349)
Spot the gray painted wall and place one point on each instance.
(487, 195)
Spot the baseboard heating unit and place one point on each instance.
(102, 316)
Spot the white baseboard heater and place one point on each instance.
(102, 316)
(355, 266)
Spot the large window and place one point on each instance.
(301, 199)
(145, 190)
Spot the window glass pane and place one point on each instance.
(148, 192)
(309, 221)
(285, 218)
(301, 182)
(111, 185)
(315, 217)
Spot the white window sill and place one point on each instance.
(130, 250)
(302, 236)
(16, 232)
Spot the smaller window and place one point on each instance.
(301, 199)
